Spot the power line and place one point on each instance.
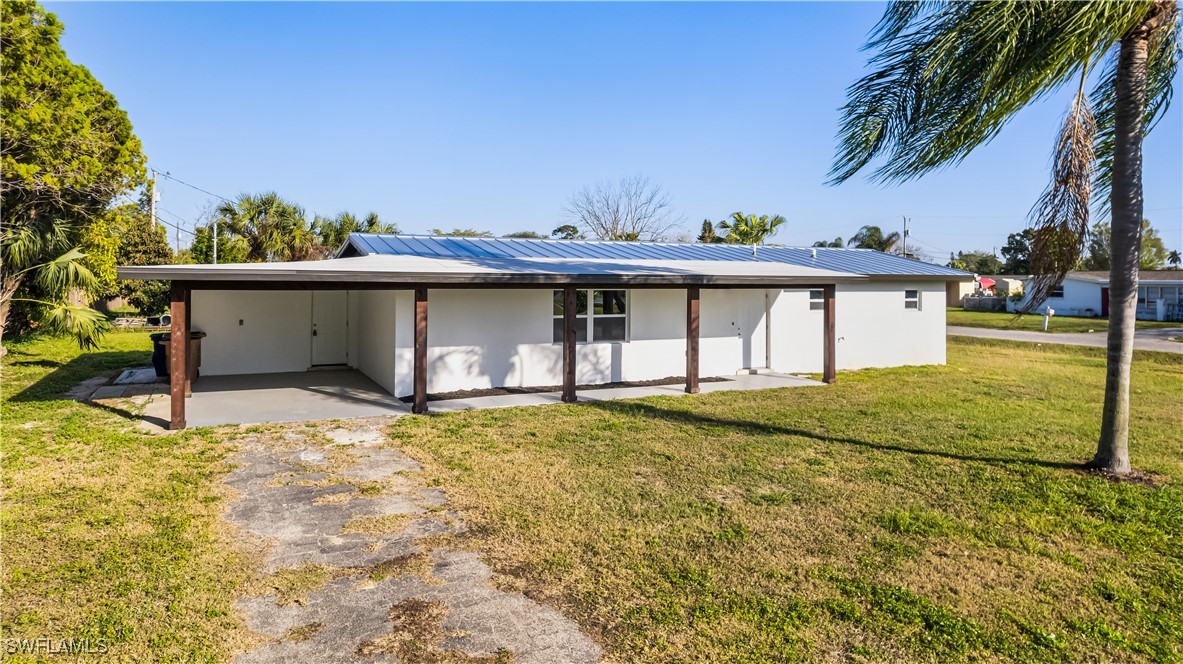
(174, 225)
(929, 246)
(176, 216)
(191, 186)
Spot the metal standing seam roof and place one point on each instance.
(857, 261)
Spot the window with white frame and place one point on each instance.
(600, 315)
(817, 300)
(1058, 291)
(911, 299)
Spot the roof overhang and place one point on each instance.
(385, 271)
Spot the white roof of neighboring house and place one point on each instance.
(1155, 276)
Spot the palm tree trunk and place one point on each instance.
(1113, 453)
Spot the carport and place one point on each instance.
(422, 275)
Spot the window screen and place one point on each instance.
(817, 300)
(911, 299)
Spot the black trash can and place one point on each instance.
(194, 354)
(158, 361)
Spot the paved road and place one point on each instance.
(1157, 339)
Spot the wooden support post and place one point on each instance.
(569, 305)
(420, 402)
(178, 351)
(829, 366)
(692, 326)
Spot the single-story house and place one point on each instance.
(982, 285)
(1160, 295)
(1003, 284)
(522, 312)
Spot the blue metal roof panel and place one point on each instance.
(858, 261)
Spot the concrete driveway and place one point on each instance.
(1158, 339)
(361, 560)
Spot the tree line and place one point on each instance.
(255, 228)
(1097, 256)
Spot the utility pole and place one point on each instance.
(905, 237)
(152, 199)
(215, 238)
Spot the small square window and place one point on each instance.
(817, 300)
(1058, 291)
(911, 299)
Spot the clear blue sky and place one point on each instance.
(491, 115)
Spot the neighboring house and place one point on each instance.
(957, 291)
(1160, 295)
(1004, 284)
(642, 311)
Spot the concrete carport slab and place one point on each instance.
(350, 394)
(282, 397)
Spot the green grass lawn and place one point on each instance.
(110, 533)
(903, 514)
(1032, 323)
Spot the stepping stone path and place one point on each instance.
(343, 509)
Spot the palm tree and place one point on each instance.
(333, 232)
(836, 243)
(1173, 259)
(42, 266)
(273, 228)
(750, 229)
(948, 76)
(872, 237)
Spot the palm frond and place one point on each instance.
(896, 18)
(1060, 218)
(946, 79)
(64, 274)
(83, 323)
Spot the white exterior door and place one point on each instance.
(330, 316)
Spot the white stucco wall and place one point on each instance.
(495, 338)
(374, 320)
(1079, 298)
(274, 336)
(872, 328)
(492, 338)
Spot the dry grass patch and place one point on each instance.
(417, 564)
(304, 632)
(386, 524)
(335, 498)
(417, 632)
(294, 584)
